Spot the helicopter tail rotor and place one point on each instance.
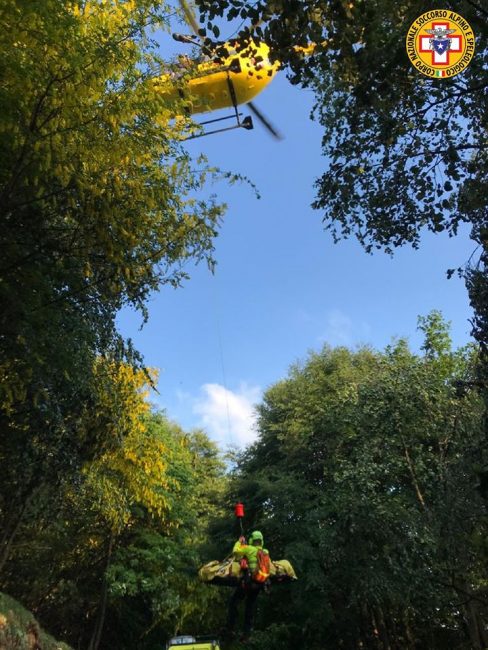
(265, 122)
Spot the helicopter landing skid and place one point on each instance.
(246, 123)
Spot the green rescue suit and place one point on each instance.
(250, 551)
(247, 588)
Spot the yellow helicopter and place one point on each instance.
(223, 81)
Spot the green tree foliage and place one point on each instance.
(102, 505)
(97, 197)
(364, 477)
(36, 459)
(115, 564)
(100, 205)
(403, 152)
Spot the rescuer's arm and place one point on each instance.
(240, 547)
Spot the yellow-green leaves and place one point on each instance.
(96, 193)
(99, 205)
(133, 469)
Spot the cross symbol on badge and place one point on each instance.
(441, 47)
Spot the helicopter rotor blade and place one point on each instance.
(185, 38)
(190, 18)
(265, 122)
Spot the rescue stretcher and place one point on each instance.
(228, 573)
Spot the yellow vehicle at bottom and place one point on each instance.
(188, 642)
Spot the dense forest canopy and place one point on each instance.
(363, 474)
(370, 468)
(98, 208)
(100, 205)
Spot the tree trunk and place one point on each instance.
(8, 536)
(477, 633)
(476, 628)
(375, 630)
(369, 629)
(382, 629)
(97, 631)
(12, 528)
(408, 631)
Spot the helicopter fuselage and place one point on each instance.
(223, 83)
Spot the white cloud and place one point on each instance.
(340, 330)
(227, 416)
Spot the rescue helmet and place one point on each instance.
(256, 537)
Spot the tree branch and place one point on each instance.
(465, 91)
(413, 475)
(477, 7)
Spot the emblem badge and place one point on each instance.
(440, 43)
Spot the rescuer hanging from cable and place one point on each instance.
(255, 564)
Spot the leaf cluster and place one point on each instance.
(364, 476)
(404, 153)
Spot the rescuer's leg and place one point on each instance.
(250, 609)
(232, 613)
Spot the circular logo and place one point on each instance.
(440, 43)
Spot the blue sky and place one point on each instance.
(281, 286)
